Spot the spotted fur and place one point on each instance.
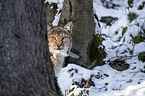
(60, 42)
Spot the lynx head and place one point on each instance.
(59, 37)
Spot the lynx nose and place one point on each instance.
(59, 46)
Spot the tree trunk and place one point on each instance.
(66, 13)
(25, 67)
(50, 10)
(83, 30)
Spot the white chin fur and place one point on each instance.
(56, 53)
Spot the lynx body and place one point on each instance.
(60, 42)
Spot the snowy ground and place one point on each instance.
(125, 83)
(130, 82)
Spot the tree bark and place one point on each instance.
(83, 30)
(84, 41)
(25, 67)
(66, 13)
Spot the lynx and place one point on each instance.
(60, 42)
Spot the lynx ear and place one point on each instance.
(68, 26)
(48, 27)
(48, 30)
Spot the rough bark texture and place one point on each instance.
(25, 67)
(83, 29)
(65, 13)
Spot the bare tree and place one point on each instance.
(83, 29)
(25, 67)
(50, 10)
(66, 13)
(81, 14)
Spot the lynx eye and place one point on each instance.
(64, 38)
(53, 38)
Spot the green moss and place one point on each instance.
(138, 39)
(130, 3)
(96, 51)
(132, 16)
(141, 56)
(124, 31)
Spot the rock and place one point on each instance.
(109, 20)
(119, 65)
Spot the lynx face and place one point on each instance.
(59, 44)
(59, 38)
